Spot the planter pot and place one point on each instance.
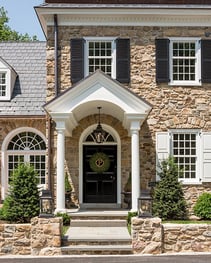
(127, 199)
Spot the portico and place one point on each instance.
(81, 101)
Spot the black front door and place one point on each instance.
(100, 174)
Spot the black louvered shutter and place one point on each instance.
(77, 59)
(123, 60)
(162, 60)
(206, 61)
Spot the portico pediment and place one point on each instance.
(96, 90)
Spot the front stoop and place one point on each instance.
(97, 233)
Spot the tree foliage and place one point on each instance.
(22, 202)
(202, 207)
(168, 197)
(7, 34)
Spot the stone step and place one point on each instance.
(90, 242)
(96, 249)
(98, 223)
(99, 214)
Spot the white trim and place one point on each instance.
(197, 81)
(4, 160)
(86, 52)
(197, 132)
(138, 15)
(115, 135)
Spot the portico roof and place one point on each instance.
(96, 90)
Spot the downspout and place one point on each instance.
(56, 55)
(50, 186)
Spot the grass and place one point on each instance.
(187, 221)
(64, 230)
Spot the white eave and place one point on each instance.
(77, 15)
(96, 90)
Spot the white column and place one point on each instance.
(135, 163)
(60, 186)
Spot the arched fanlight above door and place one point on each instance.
(107, 138)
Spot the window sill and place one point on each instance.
(185, 83)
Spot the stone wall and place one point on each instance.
(41, 237)
(46, 236)
(186, 238)
(15, 239)
(146, 236)
(149, 236)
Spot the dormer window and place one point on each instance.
(3, 85)
(7, 80)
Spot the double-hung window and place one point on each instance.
(3, 84)
(108, 54)
(184, 147)
(191, 150)
(183, 61)
(100, 54)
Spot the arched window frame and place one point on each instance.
(25, 153)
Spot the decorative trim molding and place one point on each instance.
(125, 17)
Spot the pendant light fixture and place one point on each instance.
(99, 133)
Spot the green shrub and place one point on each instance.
(168, 197)
(65, 217)
(202, 207)
(129, 216)
(22, 202)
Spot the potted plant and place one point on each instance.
(68, 190)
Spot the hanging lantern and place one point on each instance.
(99, 133)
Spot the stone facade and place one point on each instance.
(186, 238)
(174, 107)
(15, 239)
(146, 236)
(150, 236)
(40, 238)
(46, 236)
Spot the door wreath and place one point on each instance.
(99, 162)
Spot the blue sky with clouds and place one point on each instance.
(22, 16)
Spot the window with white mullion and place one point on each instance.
(27, 147)
(184, 150)
(185, 61)
(3, 84)
(100, 56)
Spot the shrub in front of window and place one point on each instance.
(168, 196)
(202, 207)
(22, 202)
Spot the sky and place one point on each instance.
(22, 16)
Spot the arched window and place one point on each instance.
(108, 138)
(27, 147)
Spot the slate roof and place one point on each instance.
(28, 59)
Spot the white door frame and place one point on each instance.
(117, 142)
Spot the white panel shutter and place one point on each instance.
(206, 157)
(162, 149)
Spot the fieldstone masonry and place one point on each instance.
(46, 236)
(174, 107)
(146, 236)
(41, 237)
(15, 239)
(149, 236)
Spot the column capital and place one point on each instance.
(134, 126)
